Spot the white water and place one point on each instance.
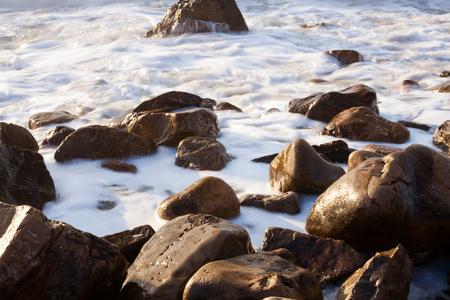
(92, 60)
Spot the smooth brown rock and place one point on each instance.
(24, 178)
(403, 197)
(328, 259)
(45, 259)
(407, 85)
(441, 137)
(45, 118)
(131, 241)
(410, 124)
(335, 151)
(286, 203)
(357, 157)
(178, 250)
(346, 57)
(386, 276)
(101, 142)
(267, 159)
(382, 149)
(208, 195)
(362, 124)
(227, 106)
(252, 276)
(300, 169)
(17, 137)
(201, 153)
(324, 106)
(194, 16)
(56, 135)
(118, 166)
(441, 88)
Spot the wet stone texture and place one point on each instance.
(46, 118)
(17, 137)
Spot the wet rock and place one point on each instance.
(24, 178)
(118, 166)
(324, 106)
(56, 135)
(441, 88)
(101, 142)
(299, 168)
(227, 106)
(45, 259)
(17, 137)
(317, 80)
(445, 74)
(45, 118)
(309, 26)
(178, 250)
(410, 124)
(106, 205)
(287, 203)
(386, 276)
(400, 198)
(335, 151)
(130, 242)
(407, 85)
(201, 153)
(346, 57)
(328, 259)
(189, 16)
(441, 137)
(382, 149)
(362, 124)
(267, 159)
(208, 195)
(252, 276)
(270, 111)
(357, 157)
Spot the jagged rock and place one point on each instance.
(335, 151)
(267, 159)
(45, 259)
(194, 16)
(299, 168)
(227, 106)
(45, 118)
(362, 124)
(252, 276)
(130, 242)
(328, 259)
(118, 166)
(17, 137)
(410, 124)
(101, 142)
(357, 157)
(24, 178)
(56, 135)
(324, 106)
(178, 250)
(386, 276)
(201, 153)
(286, 203)
(403, 197)
(382, 149)
(346, 57)
(441, 88)
(441, 137)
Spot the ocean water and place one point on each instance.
(90, 58)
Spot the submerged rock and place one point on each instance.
(286, 203)
(17, 137)
(45, 118)
(227, 106)
(118, 166)
(346, 57)
(441, 88)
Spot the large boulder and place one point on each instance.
(208, 195)
(17, 137)
(324, 106)
(101, 142)
(299, 168)
(363, 124)
(193, 16)
(346, 57)
(441, 137)
(252, 276)
(385, 276)
(286, 203)
(178, 250)
(45, 118)
(56, 135)
(328, 259)
(45, 259)
(403, 197)
(24, 178)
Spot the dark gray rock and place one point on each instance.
(56, 135)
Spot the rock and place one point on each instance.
(445, 74)
(45, 118)
(106, 205)
(420, 126)
(228, 106)
(441, 136)
(208, 195)
(270, 111)
(172, 101)
(169, 129)
(267, 159)
(382, 149)
(403, 197)
(335, 151)
(24, 178)
(328, 259)
(45, 259)
(346, 57)
(287, 203)
(101, 142)
(306, 26)
(357, 157)
(407, 85)
(324, 106)
(194, 16)
(300, 169)
(178, 250)
(118, 166)
(386, 276)
(252, 276)
(362, 124)
(317, 80)
(56, 135)
(130, 242)
(441, 88)
(17, 137)
(201, 153)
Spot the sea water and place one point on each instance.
(91, 58)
